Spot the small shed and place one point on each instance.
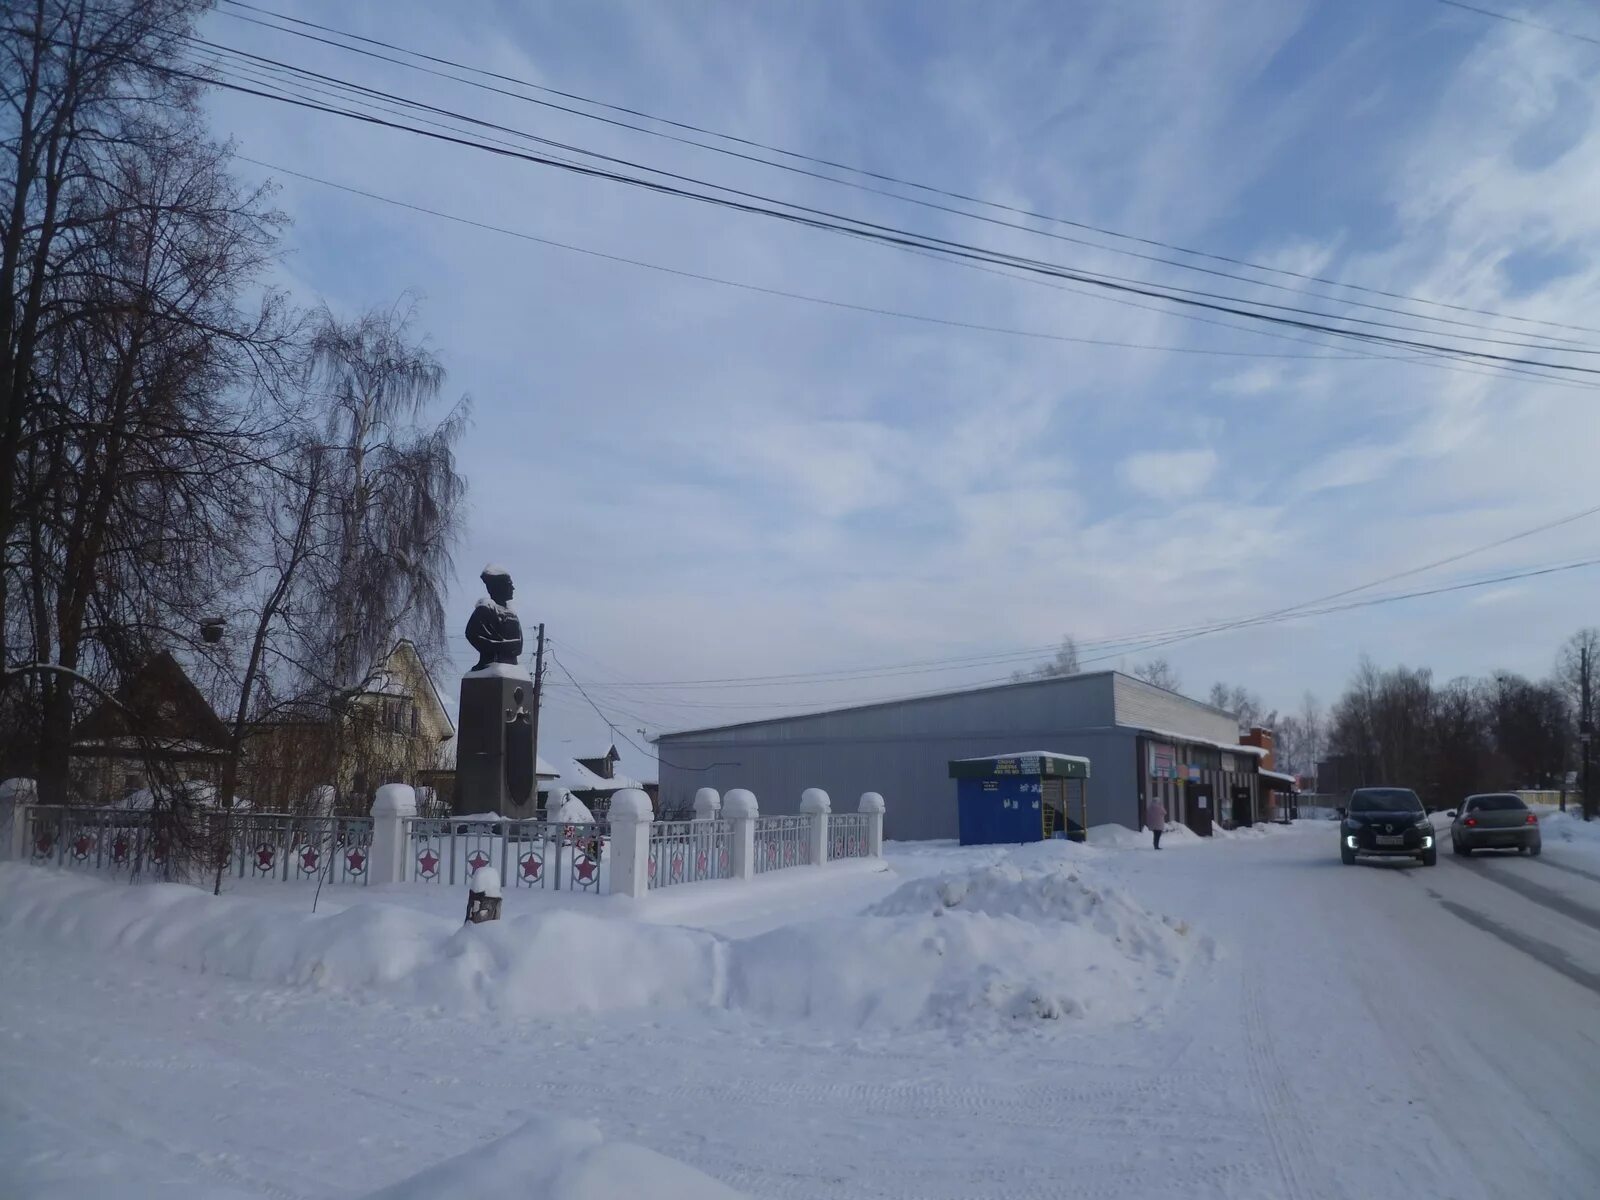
(1026, 797)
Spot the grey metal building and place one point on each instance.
(1142, 740)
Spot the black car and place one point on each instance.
(1386, 822)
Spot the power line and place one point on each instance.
(616, 730)
(887, 235)
(785, 294)
(835, 165)
(1119, 643)
(1169, 292)
(1515, 20)
(1219, 628)
(890, 236)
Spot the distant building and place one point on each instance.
(1142, 742)
(159, 717)
(396, 730)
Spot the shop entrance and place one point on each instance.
(1199, 800)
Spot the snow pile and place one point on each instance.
(1570, 829)
(545, 965)
(1030, 937)
(1118, 837)
(558, 1159)
(992, 946)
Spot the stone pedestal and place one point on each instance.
(494, 749)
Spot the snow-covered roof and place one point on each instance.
(578, 778)
(1190, 739)
(1078, 758)
(1280, 777)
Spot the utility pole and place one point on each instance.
(538, 691)
(1585, 730)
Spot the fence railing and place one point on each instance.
(628, 854)
(689, 851)
(782, 842)
(847, 836)
(268, 846)
(528, 854)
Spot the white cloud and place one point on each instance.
(1169, 474)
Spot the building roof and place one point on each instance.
(1025, 754)
(165, 705)
(1280, 777)
(1189, 739)
(578, 778)
(932, 697)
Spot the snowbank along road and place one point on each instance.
(1240, 1018)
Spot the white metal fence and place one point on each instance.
(628, 854)
(689, 851)
(782, 842)
(847, 836)
(268, 846)
(528, 854)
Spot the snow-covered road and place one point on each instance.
(1367, 1032)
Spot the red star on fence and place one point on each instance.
(43, 844)
(702, 862)
(429, 862)
(119, 850)
(264, 857)
(478, 859)
(355, 860)
(81, 847)
(531, 867)
(308, 858)
(584, 869)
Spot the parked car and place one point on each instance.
(1494, 821)
(1386, 822)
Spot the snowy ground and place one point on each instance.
(1366, 1032)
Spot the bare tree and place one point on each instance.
(85, 92)
(1064, 663)
(1160, 672)
(392, 513)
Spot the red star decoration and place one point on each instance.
(45, 843)
(702, 862)
(81, 847)
(357, 860)
(531, 867)
(772, 852)
(584, 869)
(264, 857)
(428, 861)
(652, 868)
(119, 850)
(308, 858)
(478, 859)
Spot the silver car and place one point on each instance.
(1494, 821)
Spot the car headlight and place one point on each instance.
(1427, 841)
(1351, 842)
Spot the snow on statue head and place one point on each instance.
(493, 629)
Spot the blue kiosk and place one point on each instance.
(1025, 797)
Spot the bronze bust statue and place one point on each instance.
(493, 629)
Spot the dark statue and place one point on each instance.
(493, 629)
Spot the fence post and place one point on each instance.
(740, 808)
(872, 805)
(630, 843)
(814, 803)
(15, 796)
(707, 804)
(395, 803)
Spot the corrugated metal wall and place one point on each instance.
(902, 749)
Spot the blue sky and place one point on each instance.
(692, 482)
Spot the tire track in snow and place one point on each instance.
(1280, 1114)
